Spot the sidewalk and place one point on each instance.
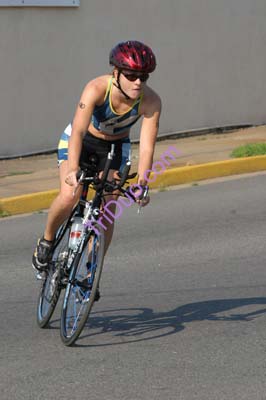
(40, 173)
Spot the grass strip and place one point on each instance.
(249, 150)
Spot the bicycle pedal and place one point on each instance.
(83, 301)
(80, 299)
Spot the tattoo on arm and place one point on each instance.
(82, 105)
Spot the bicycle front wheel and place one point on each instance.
(51, 283)
(81, 289)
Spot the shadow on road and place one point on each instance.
(128, 325)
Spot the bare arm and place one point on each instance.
(148, 134)
(90, 96)
(80, 125)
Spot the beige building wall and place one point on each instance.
(211, 63)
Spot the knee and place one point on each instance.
(67, 199)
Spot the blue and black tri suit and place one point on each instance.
(106, 120)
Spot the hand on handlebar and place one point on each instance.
(71, 178)
(143, 202)
(142, 197)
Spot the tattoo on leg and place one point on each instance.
(82, 105)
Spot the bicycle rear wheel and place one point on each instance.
(51, 284)
(79, 296)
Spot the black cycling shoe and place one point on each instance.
(42, 254)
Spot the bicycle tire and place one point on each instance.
(77, 303)
(51, 284)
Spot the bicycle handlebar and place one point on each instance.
(125, 172)
(105, 184)
(109, 160)
(81, 174)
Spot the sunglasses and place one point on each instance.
(133, 77)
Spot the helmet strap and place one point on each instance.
(118, 85)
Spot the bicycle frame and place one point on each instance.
(80, 276)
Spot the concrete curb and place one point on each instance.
(27, 202)
(175, 176)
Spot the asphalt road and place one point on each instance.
(183, 308)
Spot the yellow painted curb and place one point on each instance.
(27, 202)
(175, 176)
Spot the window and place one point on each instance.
(42, 3)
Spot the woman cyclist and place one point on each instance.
(108, 107)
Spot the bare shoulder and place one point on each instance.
(151, 102)
(96, 88)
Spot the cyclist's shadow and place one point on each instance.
(127, 325)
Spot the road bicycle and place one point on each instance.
(77, 260)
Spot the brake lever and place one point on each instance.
(144, 195)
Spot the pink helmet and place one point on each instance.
(133, 56)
